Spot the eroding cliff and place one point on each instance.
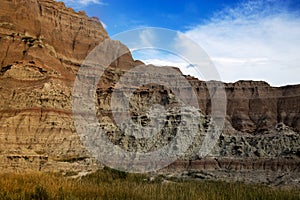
(43, 44)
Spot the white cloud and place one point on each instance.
(104, 25)
(164, 58)
(147, 38)
(183, 65)
(159, 62)
(258, 40)
(80, 3)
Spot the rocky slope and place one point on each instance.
(41, 53)
(43, 43)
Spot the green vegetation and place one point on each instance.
(113, 184)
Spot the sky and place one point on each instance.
(245, 39)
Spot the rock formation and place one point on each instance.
(43, 45)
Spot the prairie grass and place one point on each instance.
(112, 184)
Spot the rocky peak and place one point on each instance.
(27, 26)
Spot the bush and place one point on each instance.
(39, 194)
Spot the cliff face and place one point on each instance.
(260, 141)
(42, 45)
(41, 52)
(255, 106)
(41, 29)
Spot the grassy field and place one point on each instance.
(112, 184)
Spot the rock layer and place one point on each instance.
(42, 45)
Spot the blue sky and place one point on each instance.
(122, 15)
(246, 39)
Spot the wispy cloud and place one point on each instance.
(159, 58)
(104, 25)
(163, 58)
(257, 40)
(147, 37)
(81, 4)
(77, 4)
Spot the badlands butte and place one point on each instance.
(43, 45)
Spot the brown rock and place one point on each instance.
(42, 45)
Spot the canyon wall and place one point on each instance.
(43, 45)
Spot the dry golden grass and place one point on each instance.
(112, 184)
